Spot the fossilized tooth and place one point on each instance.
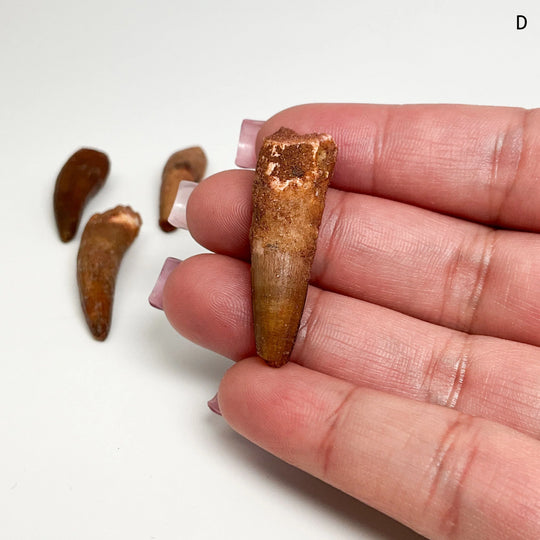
(104, 241)
(292, 176)
(184, 165)
(83, 174)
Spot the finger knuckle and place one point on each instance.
(449, 469)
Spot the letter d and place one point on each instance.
(521, 22)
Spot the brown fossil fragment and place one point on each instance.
(83, 174)
(292, 176)
(104, 241)
(185, 165)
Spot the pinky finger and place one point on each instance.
(440, 472)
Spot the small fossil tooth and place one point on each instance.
(83, 174)
(292, 176)
(188, 164)
(104, 241)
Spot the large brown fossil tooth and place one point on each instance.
(292, 176)
(185, 165)
(83, 174)
(104, 241)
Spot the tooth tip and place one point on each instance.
(280, 362)
(65, 237)
(100, 330)
(165, 226)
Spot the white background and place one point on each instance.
(114, 440)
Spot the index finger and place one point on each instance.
(474, 162)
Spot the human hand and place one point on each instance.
(414, 384)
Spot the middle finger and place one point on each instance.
(434, 267)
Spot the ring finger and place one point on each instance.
(366, 344)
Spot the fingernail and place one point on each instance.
(245, 155)
(156, 296)
(177, 217)
(213, 405)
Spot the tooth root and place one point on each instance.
(292, 176)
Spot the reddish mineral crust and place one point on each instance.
(292, 176)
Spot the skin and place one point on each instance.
(414, 384)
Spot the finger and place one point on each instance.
(207, 299)
(440, 472)
(444, 270)
(474, 162)
(219, 213)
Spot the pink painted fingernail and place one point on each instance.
(156, 296)
(245, 155)
(177, 217)
(213, 405)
